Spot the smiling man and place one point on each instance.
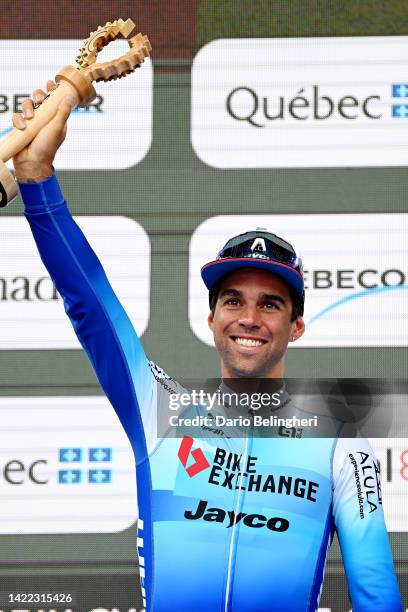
(252, 318)
(226, 524)
(256, 295)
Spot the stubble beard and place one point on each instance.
(246, 367)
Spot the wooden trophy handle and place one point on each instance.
(76, 82)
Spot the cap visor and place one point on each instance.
(213, 271)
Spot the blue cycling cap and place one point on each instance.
(256, 249)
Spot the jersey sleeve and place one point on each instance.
(99, 320)
(361, 530)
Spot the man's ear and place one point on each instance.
(298, 329)
(210, 319)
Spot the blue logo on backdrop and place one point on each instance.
(70, 475)
(99, 476)
(100, 454)
(312, 102)
(6, 131)
(400, 90)
(70, 454)
(356, 296)
(13, 103)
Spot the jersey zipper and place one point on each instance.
(235, 527)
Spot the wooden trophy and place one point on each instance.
(76, 82)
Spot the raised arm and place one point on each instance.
(100, 322)
(363, 537)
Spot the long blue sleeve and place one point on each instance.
(100, 322)
(363, 537)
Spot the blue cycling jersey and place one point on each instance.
(225, 525)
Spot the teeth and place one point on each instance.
(248, 342)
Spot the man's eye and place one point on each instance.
(232, 301)
(271, 306)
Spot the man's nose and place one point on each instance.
(250, 317)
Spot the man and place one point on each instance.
(225, 523)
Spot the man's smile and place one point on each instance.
(248, 342)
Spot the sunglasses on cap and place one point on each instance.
(261, 244)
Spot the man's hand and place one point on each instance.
(35, 161)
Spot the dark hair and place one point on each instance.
(298, 301)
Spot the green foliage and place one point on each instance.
(286, 18)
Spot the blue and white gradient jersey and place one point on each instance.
(237, 525)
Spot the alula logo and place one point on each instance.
(315, 103)
(200, 462)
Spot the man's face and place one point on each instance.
(252, 324)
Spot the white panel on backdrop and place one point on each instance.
(355, 267)
(301, 102)
(66, 467)
(114, 132)
(31, 311)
